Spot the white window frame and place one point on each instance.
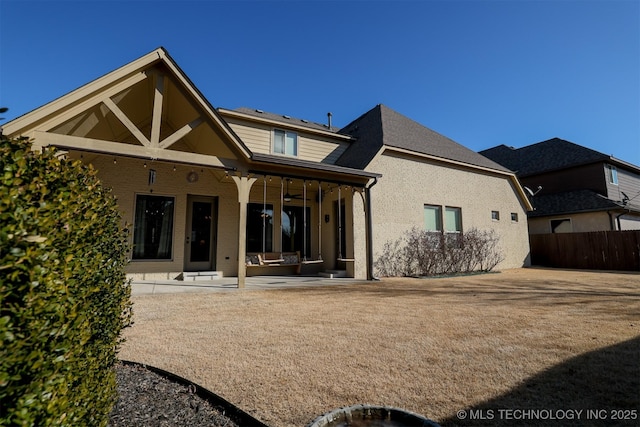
(294, 151)
(459, 218)
(439, 219)
(441, 225)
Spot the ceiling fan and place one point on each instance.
(288, 196)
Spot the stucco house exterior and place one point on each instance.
(215, 190)
(576, 189)
(429, 180)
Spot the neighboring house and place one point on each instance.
(205, 189)
(581, 189)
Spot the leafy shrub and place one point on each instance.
(64, 297)
(424, 253)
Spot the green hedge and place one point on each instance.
(64, 297)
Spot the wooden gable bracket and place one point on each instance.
(126, 122)
(156, 120)
(116, 148)
(183, 131)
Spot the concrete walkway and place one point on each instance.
(230, 284)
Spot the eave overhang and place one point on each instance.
(267, 164)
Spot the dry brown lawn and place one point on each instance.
(519, 339)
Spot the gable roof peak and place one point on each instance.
(125, 85)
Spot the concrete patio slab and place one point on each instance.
(230, 284)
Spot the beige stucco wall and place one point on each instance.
(592, 221)
(398, 200)
(129, 177)
(408, 184)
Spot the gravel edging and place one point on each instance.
(149, 396)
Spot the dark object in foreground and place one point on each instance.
(149, 396)
(371, 416)
(63, 288)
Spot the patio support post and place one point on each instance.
(244, 184)
(369, 229)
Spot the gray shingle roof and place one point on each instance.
(382, 126)
(367, 129)
(286, 119)
(543, 156)
(570, 202)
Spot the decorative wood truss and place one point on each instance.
(153, 147)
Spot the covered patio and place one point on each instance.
(194, 197)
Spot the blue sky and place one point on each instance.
(481, 72)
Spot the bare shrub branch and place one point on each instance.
(425, 253)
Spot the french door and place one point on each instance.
(200, 241)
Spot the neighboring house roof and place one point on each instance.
(547, 156)
(569, 202)
(383, 127)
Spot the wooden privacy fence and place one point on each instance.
(597, 250)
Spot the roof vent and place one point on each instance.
(304, 121)
(286, 117)
(329, 119)
(259, 111)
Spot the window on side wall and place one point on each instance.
(453, 225)
(432, 218)
(452, 220)
(514, 217)
(612, 174)
(495, 215)
(153, 227)
(285, 142)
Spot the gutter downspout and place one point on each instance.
(612, 223)
(369, 232)
(618, 220)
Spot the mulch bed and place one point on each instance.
(146, 398)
